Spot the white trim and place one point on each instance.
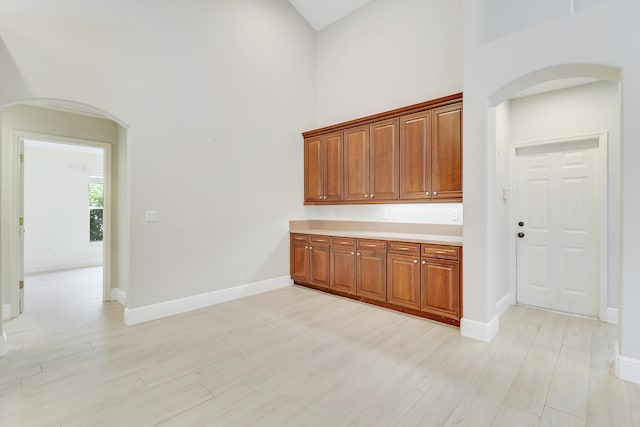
(612, 316)
(627, 369)
(504, 303)
(3, 345)
(603, 219)
(182, 305)
(119, 295)
(480, 331)
(6, 312)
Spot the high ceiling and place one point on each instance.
(322, 13)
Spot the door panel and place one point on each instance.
(403, 280)
(372, 275)
(299, 261)
(319, 273)
(558, 262)
(440, 288)
(334, 180)
(384, 161)
(343, 270)
(356, 166)
(415, 156)
(313, 190)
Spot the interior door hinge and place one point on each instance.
(21, 222)
(21, 158)
(21, 284)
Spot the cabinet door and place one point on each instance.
(313, 170)
(441, 288)
(300, 261)
(403, 280)
(343, 270)
(333, 166)
(319, 266)
(372, 275)
(356, 163)
(415, 156)
(384, 160)
(446, 177)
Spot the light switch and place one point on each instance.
(151, 216)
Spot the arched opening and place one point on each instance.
(575, 108)
(74, 124)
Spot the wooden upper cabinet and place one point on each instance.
(415, 156)
(356, 163)
(313, 170)
(384, 160)
(323, 168)
(446, 178)
(411, 154)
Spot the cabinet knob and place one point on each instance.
(427, 193)
(371, 195)
(415, 261)
(320, 197)
(324, 198)
(435, 193)
(366, 196)
(358, 254)
(310, 247)
(352, 253)
(306, 247)
(424, 262)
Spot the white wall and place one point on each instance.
(215, 95)
(604, 33)
(35, 120)
(56, 209)
(388, 54)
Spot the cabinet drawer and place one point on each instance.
(372, 245)
(343, 242)
(303, 238)
(404, 248)
(320, 240)
(444, 252)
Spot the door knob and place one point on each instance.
(521, 235)
(521, 224)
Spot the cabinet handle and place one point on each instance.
(310, 248)
(427, 193)
(306, 247)
(351, 253)
(358, 254)
(403, 249)
(371, 246)
(320, 197)
(424, 262)
(366, 196)
(344, 243)
(324, 198)
(435, 193)
(415, 261)
(371, 196)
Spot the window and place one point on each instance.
(96, 208)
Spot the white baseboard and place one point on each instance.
(3, 345)
(627, 369)
(503, 304)
(60, 267)
(612, 315)
(182, 305)
(6, 312)
(478, 330)
(119, 295)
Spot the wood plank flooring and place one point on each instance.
(296, 357)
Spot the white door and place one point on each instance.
(557, 226)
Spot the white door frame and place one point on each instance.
(602, 185)
(11, 212)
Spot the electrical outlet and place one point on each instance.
(455, 215)
(243, 276)
(385, 214)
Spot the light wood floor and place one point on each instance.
(295, 357)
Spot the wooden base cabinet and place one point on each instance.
(419, 279)
(440, 292)
(372, 275)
